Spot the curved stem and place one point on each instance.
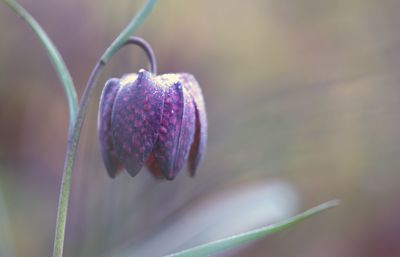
(73, 138)
(55, 57)
(147, 49)
(128, 31)
(74, 134)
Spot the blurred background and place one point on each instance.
(303, 107)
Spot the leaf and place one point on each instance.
(54, 56)
(237, 240)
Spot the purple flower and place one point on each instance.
(157, 121)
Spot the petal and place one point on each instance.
(107, 150)
(135, 120)
(177, 129)
(200, 138)
(153, 167)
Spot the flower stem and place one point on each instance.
(54, 55)
(128, 31)
(73, 139)
(147, 49)
(74, 135)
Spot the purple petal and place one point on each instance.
(176, 131)
(110, 158)
(200, 138)
(153, 167)
(135, 120)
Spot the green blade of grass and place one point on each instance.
(237, 240)
(54, 55)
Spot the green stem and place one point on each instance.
(128, 31)
(74, 135)
(55, 57)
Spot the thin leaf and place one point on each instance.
(54, 55)
(237, 240)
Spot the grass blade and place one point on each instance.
(54, 55)
(237, 240)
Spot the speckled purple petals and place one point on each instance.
(136, 118)
(107, 150)
(200, 137)
(159, 121)
(177, 128)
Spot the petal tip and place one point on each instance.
(133, 170)
(170, 177)
(112, 174)
(111, 161)
(192, 173)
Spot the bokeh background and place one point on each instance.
(303, 107)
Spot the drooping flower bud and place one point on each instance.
(157, 121)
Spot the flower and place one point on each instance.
(157, 121)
